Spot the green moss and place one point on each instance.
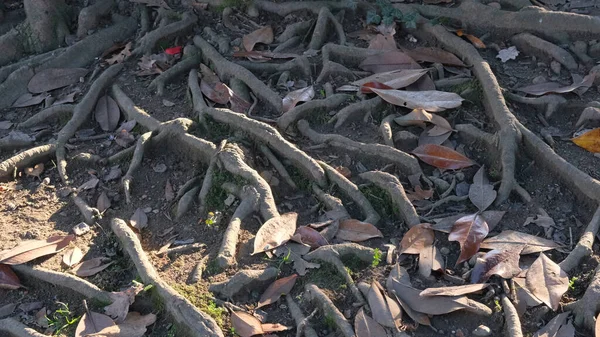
(216, 131)
(301, 181)
(474, 91)
(381, 200)
(216, 194)
(325, 277)
(198, 297)
(354, 264)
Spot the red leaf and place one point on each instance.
(8, 278)
(366, 88)
(32, 249)
(442, 157)
(174, 50)
(469, 231)
(278, 288)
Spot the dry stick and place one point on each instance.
(285, 8)
(352, 111)
(227, 70)
(353, 193)
(191, 59)
(17, 329)
(386, 130)
(394, 188)
(81, 114)
(583, 248)
(406, 163)
(513, 324)
(278, 166)
(90, 214)
(320, 35)
(199, 323)
(315, 294)
(321, 106)
(196, 275)
(249, 203)
(24, 159)
(242, 279)
(54, 112)
(149, 41)
(207, 183)
(136, 163)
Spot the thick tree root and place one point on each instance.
(352, 111)
(196, 274)
(147, 43)
(299, 66)
(386, 130)
(583, 249)
(136, 163)
(305, 110)
(285, 8)
(227, 70)
(586, 308)
(81, 114)
(544, 50)
(191, 59)
(314, 294)
(283, 173)
(320, 33)
(394, 188)
(334, 205)
(24, 159)
(406, 163)
(89, 214)
(298, 316)
(248, 204)
(183, 312)
(242, 281)
(185, 202)
(352, 191)
(334, 55)
(50, 114)
(17, 329)
(89, 17)
(207, 183)
(511, 316)
(221, 41)
(550, 103)
(294, 30)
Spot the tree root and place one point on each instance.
(248, 204)
(26, 158)
(294, 30)
(227, 70)
(183, 312)
(17, 329)
(352, 191)
(285, 8)
(586, 308)
(56, 112)
(147, 43)
(283, 173)
(191, 59)
(544, 50)
(394, 188)
(406, 163)
(299, 65)
(550, 103)
(136, 163)
(220, 41)
(242, 280)
(90, 214)
(352, 111)
(185, 202)
(196, 275)
(314, 294)
(89, 17)
(511, 316)
(386, 130)
(334, 55)
(320, 32)
(81, 114)
(583, 248)
(207, 183)
(298, 316)
(333, 204)
(192, 247)
(305, 110)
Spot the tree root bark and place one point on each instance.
(207, 183)
(191, 59)
(89, 17)
(298, 316)
(393, 187)
(314, 294)
(242, 281)
(24, 159)
(550, 103)
(386, 130)
(249, 198)
(299, 66)
(283, 173)
(320, 33)
(356, 109)
(333, 204)
(135, 164)
(147, 43)
(583, 248)
(17, 329)
(511, 316)
(313, 107)
(285, 8)
(90, 214)
(183, 312)
(586, 308)
(47, 115)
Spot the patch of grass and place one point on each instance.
(572, 282)
(198, 297)
(325, 277)
(329, 322)
(475, 92)
(376, 258)
(354, 264)
(380, 200)
(212, 267)
(62, 319)
(216, 195)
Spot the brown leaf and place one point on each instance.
(103, 202)
(294, 97)
(596, 328)
(395, 79)
(273, 327)
(261, 35)
(547, 281)
(35, 171)
(54, 78)
(469, 231)
(275, 232)
(367, 87)
(475, 41)
(442, 157)
(107, 113)
(504, 263)
(551, 329)
(88, 185)
(294, 252)
(434, 55)
(124, 138)
(121, 330)
(311, 237)
(8, 278)
(385, 310)
(119, 308)
(481, 192)
(135, 318)
(588, 114)
(343, 170)
(506, 239)
(139, 219)
(553, 87)
(121, 56)
(417, 238)
(32, 249)
(445, 224)
(92, 323)
(7, 309)
(388, 61)
(278, 288)
(419, 194)
(27, 99)
(454, 291)
(357, 231)
(589, 140)
(383, 42)
(365, 326)
(218, 93)
(419, 116)
(245, 324)
(72, 256)
(430, 259)
(91, 267)
(169, 192)
(429, 100)
(128, 125)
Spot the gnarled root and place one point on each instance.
(199, 323)
(191, 59)
(511, 316)
(47, 115)
(25, 159)
(550, 103)
(90, 214)
(334, 205)
(242, 280)
(136, 163)
(17, 329)
(583, 248)
(320, 32)
(308, 108)
(278, 166)
(299, 65)
(298, 316)
(89, 17)
(352, 111)
(314, 294)
(586, 308)
(149, 41)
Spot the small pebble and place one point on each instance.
(147, 209)
(444, 250)
(81, 228)
(155, 211)
(46, 181)
(230, 199)
(482, 331)
(160, 168)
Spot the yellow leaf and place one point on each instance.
(589, 140)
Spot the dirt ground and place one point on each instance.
(35, 207)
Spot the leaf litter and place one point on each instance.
(357, 231)
(275, 232)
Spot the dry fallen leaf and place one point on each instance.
(107, 113)
(7, 309)
(553, 87)
(416, 239)
(139, 219)
(434, 55)
(88, 185)
(507, 239)
(245, 324)
(32, 249)
(121, 56)
(365, 326)
(419, 117)
(103, 202)
(588, 114)
(454, 291)
(294, 251)
(169, 192)
(428, 100)
(8, 278)
(261, 35)
(442, 157)
(91, 267)
(383, 42)
(388, 61)
(469, 231)
(275, 232)
(72, 256)
(357, 231)
(311, 237)
(27, 99)
(119, 308)
(504, 263)
(92, 322)
(510, 53)
(54, 78)
(472, 38)
(481, 192)
(294, 97)
(385, 310)
(589, 140)
(277, 289)
(547, 281)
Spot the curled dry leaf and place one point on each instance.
(245, 324)
(434, 55)
(72, 256)
(419, 194)
(589, 140)
(365, 326)
(92, 322)
(385, 310)
(442, 157)
(430, 259)
(454, 291)
(429, 100)
(420, 116)
(121, 56)
(553, 87)
(294, 97)
(275, 232)
(504, 263)
(107, 113)
(357, 231)
(91, 267)
(311, 237)
(27, 99)
(32, 249)
(417, 238)
(481, 192)
(103, 202)
(472, 38)
(119, 308)
(547, 281)
(261, 35)
(139, 219)
(54, 78)
(469, 231)
(277, 289)
(507, 239)
(35, 171)
(8, 278)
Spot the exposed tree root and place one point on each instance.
(220, 41)
(313, 107)
(544, 50)
(294, 30)
(248, 204)
(147, 43)
(283, 173)
(192, 247)
(336, 208)
(136, 163)
(17, 329)
(299, 65)
(386, 130)
(285, 8)
(394, 188)
(583, 248)
(196, 275)
(90, 214)
(352, 111)
(314, 294)
(191, 59)
(81, 114)
(320, 33)
(511, 316)
(586, 308)
(406, 163)
(185, 202)
(550, 103)
(227, 70)
(26, 158)
(298, 316)
(89, 17)
(183, 312)
(50, 114)
(352, 191)
(242, 281)
(207, 183)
